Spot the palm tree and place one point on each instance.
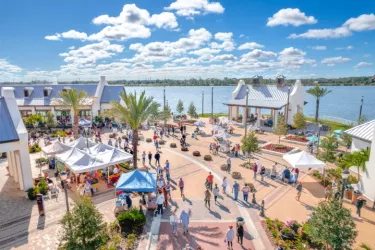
(134, 111)
(75, 99)
(356, 159)
(318, 93)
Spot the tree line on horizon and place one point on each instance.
(348, 81)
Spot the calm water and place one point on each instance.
(343, 102)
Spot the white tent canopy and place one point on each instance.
(303, 160)
(79, 161)
(81, 143)
(109, 155)
(56, 147)
(222, 135)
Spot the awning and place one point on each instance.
(137, 181)
(303, 160)
(56, 147)
(267, 104)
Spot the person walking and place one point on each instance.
(184, 219)
(168, 187)
(143, 158)
(207, 198)
(262, 173)
(157, 145)
(210, 179)
(240, 233)
(157, 158)
(255, 169)
(167, 172)
(235, 190)
(229, 164)
(225, 184)
(245, 191)
(216, 192)
(327, 192)
(173, 219)
(229, 236)
(160, 202)
(181, 185)
(273, 171)
(299, 191)
(149, 157)
(110, 142)
(359, 204)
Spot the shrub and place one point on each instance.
(352, 179)
(247, 165)
(112, 135)
(125, 166)
(131, 221)
(41, 161)
(43, 186)
(32, 192)
(130, 241)
(207, 158)
(148, 140)
(173, 145)
(279, 146)
(196, 153)
(34, 148)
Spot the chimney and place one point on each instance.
(280, 81)
(7, 92)
(103, 81)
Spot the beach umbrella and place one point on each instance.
(199, 123)
(84, 123)
(216, 128)
(313, 138)
(223, 135)
(338, 131)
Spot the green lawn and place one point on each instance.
(333, 125)
(208, 115)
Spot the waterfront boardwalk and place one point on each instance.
(22, 228)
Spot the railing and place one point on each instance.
(338, 119)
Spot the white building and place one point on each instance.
(364, 138)
(14, 140)
(272, 97)
(40, 98)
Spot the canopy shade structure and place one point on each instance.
(84, 123)
(258, 103)
(79, 161)
(109, 155)
(137, 181)
(56, 147)
(199, 123)
(222, 135)
(81, 143)
(303, 160)
(216, 128)
(313, 138)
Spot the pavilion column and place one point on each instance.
(19, 169)
(259, 114)
(229, 112)
(244, 116)
(10, 167)
(53, 110)
(25, 168)
(33, 110)
(276, 117)
(13, 163)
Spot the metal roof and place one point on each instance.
(268, 104)
(37, 97)
(363, 132)
(265, 92)
(111, 93)
(8, 132)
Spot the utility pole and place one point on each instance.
(360, 111)
(212, 104)
(202, 102)
(165, 118)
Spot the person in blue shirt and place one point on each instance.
(236, 189)
(128, 201)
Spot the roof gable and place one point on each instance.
(364, 131)
(111, 93)
(8, 132)
(264, 92)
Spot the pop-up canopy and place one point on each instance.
(303, 160)
(109, 155)
(79, 161)
(56, 147)
(81, 143)
(84, 123)
(137, 181)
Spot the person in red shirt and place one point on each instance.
(210, 180)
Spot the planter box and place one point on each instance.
(271, 152)
(294, 142)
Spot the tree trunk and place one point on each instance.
(135, 148)
(249, 157)
(75, 125)
(359, 176)
(317, 110)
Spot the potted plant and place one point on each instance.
(207, 158)
(236, 175)
(184, 149)
(224, 167)
(32, 192)
(173, 145)
(196, 153)
(43, 187)
(148, 140)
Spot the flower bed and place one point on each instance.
(279, 148)
(296, 138)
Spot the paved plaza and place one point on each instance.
(22, 228)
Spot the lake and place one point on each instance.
(343, 102)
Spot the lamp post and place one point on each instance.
(287, 108)
(345, 175)
(360, 111)
(245, 115)
(202, 102)
(317, 147)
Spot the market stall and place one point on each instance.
(140, 182)
(56, 147)
(82, 143)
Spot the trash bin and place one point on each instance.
(348, 192)
(355, 196)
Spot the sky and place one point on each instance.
(180, 39)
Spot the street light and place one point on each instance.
(345, 175)
(247, 103)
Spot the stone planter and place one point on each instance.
(207, 158)
(284, 139)
(184, 149)
(149, 140)
(271, 152)
(236, 175)
(161, 142)
(224, 167)
(196, 153)
(173, 145)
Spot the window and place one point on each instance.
(63, 116)
(45, 92)
(43, 114)
(25, 113)
(85, 114)
(26, 93)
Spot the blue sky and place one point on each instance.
(70, 40)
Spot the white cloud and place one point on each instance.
(335, 60)
(72, 34)
(319, 47)
(366, 55)
(5, 67)
(290, 16)
(190, 8)
(345, 48)
(330, 64)
(121, 32)
(242, 35)
(363, 64)
(135, 46)
(361, 23)
(204, 52)
(251, 46)
(323, 33)
(224, 57)
(55, 37)
(224, 36)
(71, 47)
(200, 34)
(166, 20)
(293, 58)
(259, 54)
(226, 45)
